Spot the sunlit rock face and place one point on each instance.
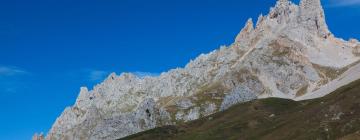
(38, 137)
(290, 53)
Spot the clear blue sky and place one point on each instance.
(49, 48)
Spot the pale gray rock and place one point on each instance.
(290, 49)
(180, 116)
(356, 50)
(245, 32)
(209, 108)
(312, 17)
(193, 114)
(184, 103)
(238, 95)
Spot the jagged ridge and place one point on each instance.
(289, 54)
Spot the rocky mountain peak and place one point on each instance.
(289, 54)
(38, 137)
(310, 4)
(82, 97)
(282, 11)
(246, 31)
(307, 16)
(282, 4)
(312, 16)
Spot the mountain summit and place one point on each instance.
(290, 53)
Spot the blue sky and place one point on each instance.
(49, 48)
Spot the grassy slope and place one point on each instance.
(332, 117)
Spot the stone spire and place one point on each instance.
(246, 31)
(38, 137)
(282, 2)
(313, 17)
(260, 20)
(83, 97)
(281, 11)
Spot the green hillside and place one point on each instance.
(336, 116)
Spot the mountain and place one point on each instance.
(290, 53)
(335, 116)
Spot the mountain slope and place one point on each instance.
(332, 117)
(289, 53)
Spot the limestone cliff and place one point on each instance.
(290, 53)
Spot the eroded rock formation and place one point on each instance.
(290, 53)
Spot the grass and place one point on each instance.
(274, 119)
(329, 72)
(212, 93)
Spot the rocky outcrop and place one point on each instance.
(245, 32)
(356, 50)
(38, 137)
(289, 54)
(312, 17)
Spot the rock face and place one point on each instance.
(290, 53)
(38, 137)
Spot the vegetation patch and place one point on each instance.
(279, 49)
(213, 93)
(273, 118)
(302, 91)
(329, 72)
